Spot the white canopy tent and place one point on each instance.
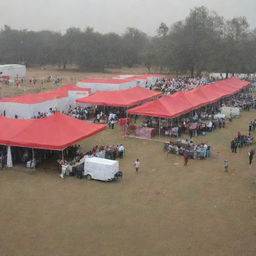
(27, 106)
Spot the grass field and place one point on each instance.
(166, 210)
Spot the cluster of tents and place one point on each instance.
(186, 101)
(59, 131)
(170, 106)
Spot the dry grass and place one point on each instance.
(165, 210)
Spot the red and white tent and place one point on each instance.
(28, 105)
(184, 102)
(55, 132)
(99, 84)
(124, 98)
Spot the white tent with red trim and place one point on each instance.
(27, 106)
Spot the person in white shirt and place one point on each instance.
(121, 151)
(210, 124)
(98, 118)
(137, 165)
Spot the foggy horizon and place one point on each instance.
(112, 15)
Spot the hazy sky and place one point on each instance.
(112, 15)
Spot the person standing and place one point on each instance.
(121, 151)
(251, 155)
(250, 126)
(232, 146)
(185, 155)
(235, 145)
(112, 123)
(137, 165)
(226, 165)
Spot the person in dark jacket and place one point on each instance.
(251, 155)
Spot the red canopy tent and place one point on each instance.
(184, 102)
(55, 132)
(166, 107)
(124, 98)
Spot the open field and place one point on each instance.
(166, 210)
(69, 76)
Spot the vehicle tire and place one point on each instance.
(88, 177)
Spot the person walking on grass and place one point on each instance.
(137, 165)
(251, 155)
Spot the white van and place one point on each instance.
(101, 169)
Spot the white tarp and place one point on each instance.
(230, 111)
(96, 87)
(13, 71)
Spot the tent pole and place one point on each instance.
(9, 157)
(33, 157)
(159, 130)
(126, 123)
(62, 155)
(33, 154)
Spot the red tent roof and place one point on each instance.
(55, 132)
(105, 81)
(183, 102)
(71, 87)
(124, 98)
(166, 107)
(60, 92)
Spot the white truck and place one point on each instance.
(101, 169)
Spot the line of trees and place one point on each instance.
(203, 41)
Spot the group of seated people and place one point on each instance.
(79, 112)
(243, 100)
(193, 128)
(174, 84)
(195, 151)
(108, 152)
(39, 115)
(200, 123)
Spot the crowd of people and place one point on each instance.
(242, 100)
(240, 141)
(193, 150)
(252, 125)
(171, 85)
(80, 112)
(108, 152)
(202, 121)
